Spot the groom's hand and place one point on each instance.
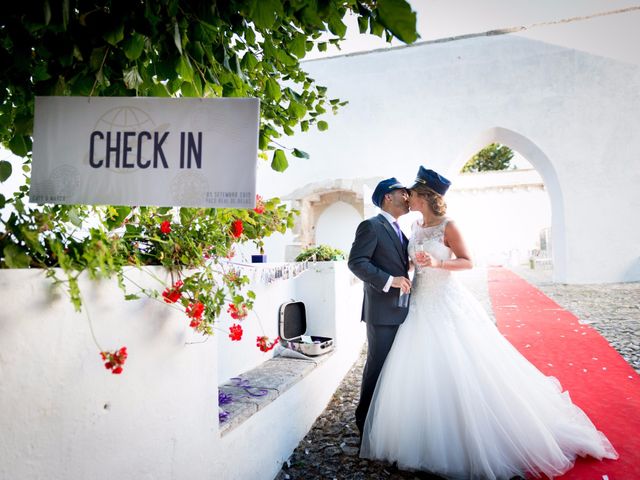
(403, 283)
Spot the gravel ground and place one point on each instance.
(330, 449)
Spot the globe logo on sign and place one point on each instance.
(127, 119)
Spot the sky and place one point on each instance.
(448, 18)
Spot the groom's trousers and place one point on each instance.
(379, 340)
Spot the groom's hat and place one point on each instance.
(384, 187)
(433, 180)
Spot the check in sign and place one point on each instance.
(145, 151)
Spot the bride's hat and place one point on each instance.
(433, 180)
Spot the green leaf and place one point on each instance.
(322, 125)
(96, 57)
(300, 153)
(74, 218)
(184, 69)
(159, 90)
(279, 162)
(5, 170)
(297, 109)
(131, 296)
(336, 26)
(298, 45)
(376, 28)
(114, 36)
(322, 46)
(3, 201)
(363, 24)
(133, 46)
(188, 90)
(250, 36)
(14, 257)
(264, 12)
(18, 146)
(396, 15)
(40, 73)
(273, 89)
(177, 39)
(132, 78)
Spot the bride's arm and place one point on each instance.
(453, 239)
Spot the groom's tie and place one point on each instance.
(398, 232)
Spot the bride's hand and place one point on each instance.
(429, 261)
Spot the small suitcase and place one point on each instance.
(292, 327)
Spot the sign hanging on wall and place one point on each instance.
(188, 152)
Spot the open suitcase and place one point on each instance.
(292, 327)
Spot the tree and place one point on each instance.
(193, 48)
(189, 48)
(492, 157)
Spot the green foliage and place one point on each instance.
(321, 253)
(492, 157)
(164, 48)
(244, 48)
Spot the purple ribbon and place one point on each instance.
(227, 398)
(244, 384)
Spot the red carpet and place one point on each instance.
(596, 376)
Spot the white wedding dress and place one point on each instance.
(456, 398)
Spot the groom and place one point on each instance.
(379, 258)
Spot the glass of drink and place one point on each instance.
(421, 256)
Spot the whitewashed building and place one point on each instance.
(566, 96)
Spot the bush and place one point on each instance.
(321, 253)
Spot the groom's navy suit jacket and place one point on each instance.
(375, 254)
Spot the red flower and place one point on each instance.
(173, 294)
(237, 228)
(259, 205)
(263, 343)
(165, 227)
(114, 360)
(195, 323)
(237, 313)
(195, 310)
(235, 332)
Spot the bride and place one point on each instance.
(455, 397)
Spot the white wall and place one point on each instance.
(572, 114)
(64, 417)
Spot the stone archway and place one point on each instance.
(547, 171)
(314, 199)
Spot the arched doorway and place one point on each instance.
(336, 225)
(542, 164)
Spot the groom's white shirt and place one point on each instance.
(391, 221)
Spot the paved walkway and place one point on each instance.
(329, 451)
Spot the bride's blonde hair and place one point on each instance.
(435, 201)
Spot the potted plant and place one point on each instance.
(320, 253)
(267, 217)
